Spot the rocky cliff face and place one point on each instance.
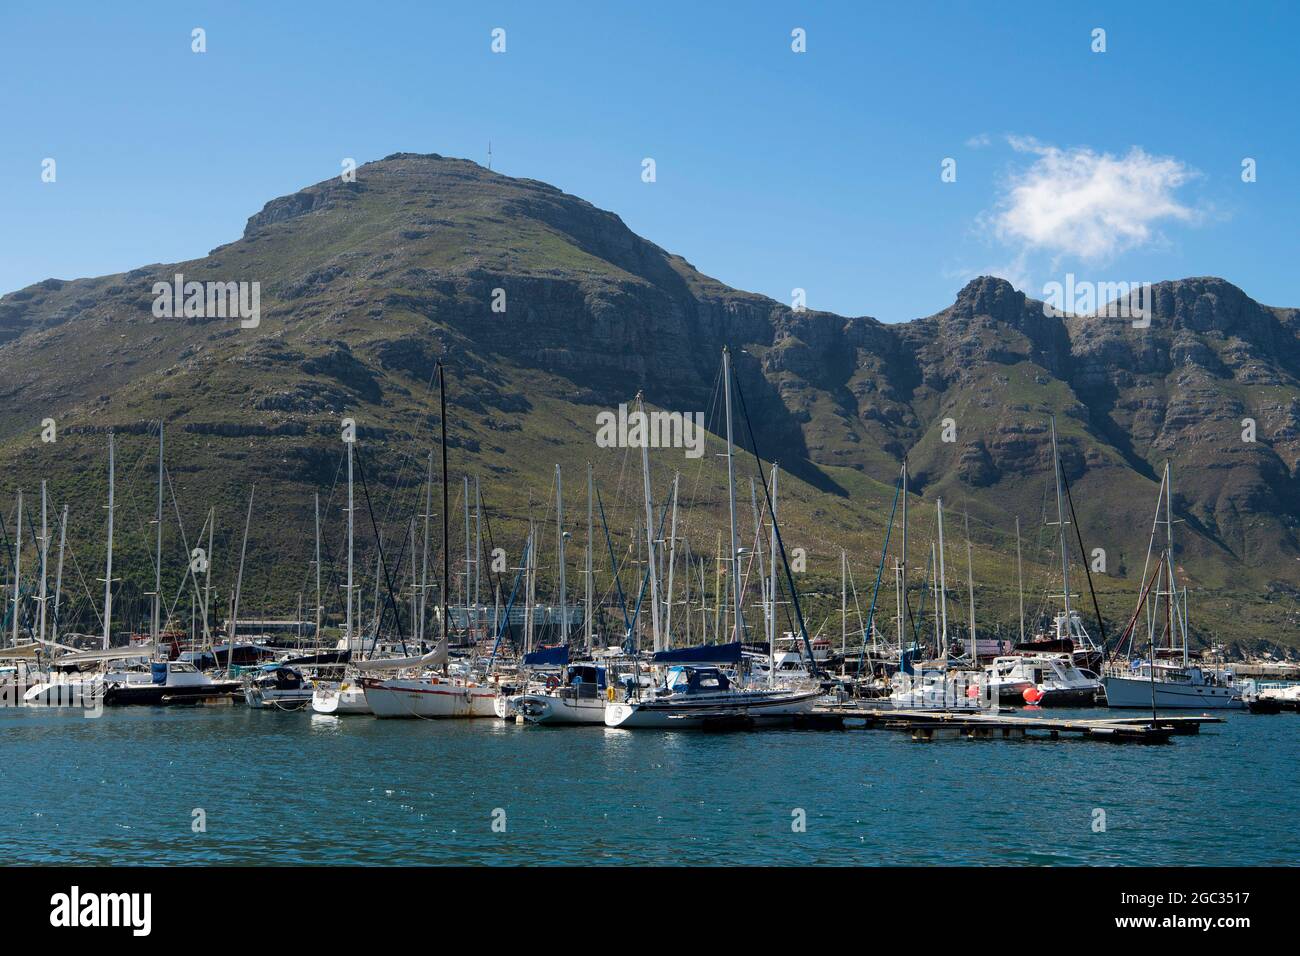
(548, 309)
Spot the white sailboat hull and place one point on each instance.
(1136, 692)
(342, 700)
(66, 693)
(550, 709)
(697, 711)
(426, 699)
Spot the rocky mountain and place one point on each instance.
(548, 310)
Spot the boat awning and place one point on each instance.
(556, 656)
(704, 654)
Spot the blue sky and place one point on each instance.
(775, 170)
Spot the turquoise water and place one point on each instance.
(282, 788)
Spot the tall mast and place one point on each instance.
(108, 561)
(207, 585)
(649, 522)
(464, 591)
(771, 588)
(348, 626)
(559, 550)
(424, 564)
(1020, 582)
(934, 586)
(717, 591)
(18, 563)
(45, 560)
(904, 568)
(239, 585)
(590, 588)
(446, 513)
(844, 601)
(58, 576)
(318, 605)
(1060, 523)
(157, 569)
(970, 586)
(733, 564)
(478, 547)
(1169, 537)
(530, 584)
(415, 587)
(672, 564)
(943, 584)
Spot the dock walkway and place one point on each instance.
(926, 725)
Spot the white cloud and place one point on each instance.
(1091, 205)
(979, 141)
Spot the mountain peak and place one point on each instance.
(991, 296)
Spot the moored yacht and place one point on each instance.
(1047, 680)
(704, 696)
(166, 682)
(339, 697)
(1170, 686)
(579, 699)
(430, 695)
(277, 687)
(1166, 678)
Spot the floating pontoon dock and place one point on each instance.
(938, 725)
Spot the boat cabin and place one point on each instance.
(697, 680)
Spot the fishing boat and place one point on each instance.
(703, 696)
(1166, 679)
(579, 698)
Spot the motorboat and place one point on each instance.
(1046, 680)
(935, 688)
(166, 682)
(704, 697)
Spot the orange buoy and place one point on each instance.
(1032, 695)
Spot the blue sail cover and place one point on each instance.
(705, 654)
(556, 656)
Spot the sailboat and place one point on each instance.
(578, 697)
(345, 696)
(1068, 635)
(79, 681)
(697, 692)
(425, 686)
(1171, 683)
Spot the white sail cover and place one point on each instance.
(147, 651)
(435, 658)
